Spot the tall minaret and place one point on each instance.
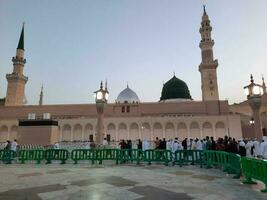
(263, 85)
(208, 65)
(41, 96)
(16, 80)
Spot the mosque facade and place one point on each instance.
(176, 114)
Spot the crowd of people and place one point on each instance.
(246, 147)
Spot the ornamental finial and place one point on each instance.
(251, 78)
(204, 9)
(106, 85)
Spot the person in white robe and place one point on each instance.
(105, 143)
(145, 145)
(248, 147)
(87, 145)
(263, 147)
(257, 150)
(169, 145)
(56, 145)
(199, 145)
(14, 145)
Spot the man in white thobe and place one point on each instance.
(169, 145)
(257, 150)
(56, 145)
(14, 145)
(248, 147)
(87, 145)
(263, 148)
(199, 145)
(105, 143)
(145, 145)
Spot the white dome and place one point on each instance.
(127, 96)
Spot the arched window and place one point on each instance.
(77, 132)
(111, 132)
(134, 131)
(207, 129)
(194, 130)
(3, 133)
(145, 131)
(13, 132)
(169, 131)
(66, 132)
(182, 131)
(220, 130)
(122, 132)
(157, 131)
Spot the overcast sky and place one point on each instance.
(70, 46)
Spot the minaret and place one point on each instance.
(41, 97)
(263, 85)
(208, 65)
(16, 80)
(106, 85)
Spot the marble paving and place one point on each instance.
(122, 182)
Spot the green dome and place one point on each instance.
(175, 89)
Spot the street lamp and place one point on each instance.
(254, 92)
(101, 98)
(251, 122)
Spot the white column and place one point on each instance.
(83, 128)
(61, 133)
(164, 131)
(176, 130)
(116, 132)
(71, 133)
(214, 132)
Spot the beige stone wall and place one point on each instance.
(139, 127)
(114, 110)
(144, 121)
(152, 127)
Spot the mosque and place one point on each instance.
(176, 114)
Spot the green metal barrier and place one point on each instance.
(83, 154)
(131, 155)
(210, 157)
(107, 154)
(162, 156)
(234, 165)
(254, 169)
(183, 157)
(36, 155)
(6, 156)
(56, 154)
(229, 162)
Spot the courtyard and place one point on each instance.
(115, 182)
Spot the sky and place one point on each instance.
(70, 46)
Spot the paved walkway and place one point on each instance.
(123, 182)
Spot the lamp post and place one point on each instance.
(254, 92)
(101, 98)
